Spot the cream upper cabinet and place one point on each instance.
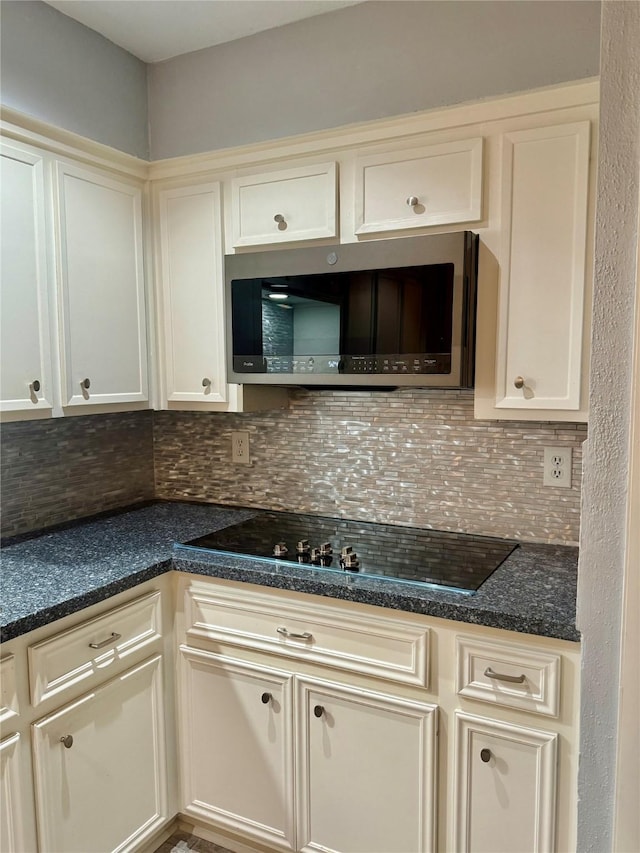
(283, 206)
(431, 185)
(102, 288)
(191, 310)
(26, 376)
(191, 293)
(543, 299)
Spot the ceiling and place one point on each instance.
(154, 30)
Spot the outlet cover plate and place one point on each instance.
(557, 467)
(240, 447)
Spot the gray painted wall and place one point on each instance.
(60, 71)
(604, 496)
(366, 62)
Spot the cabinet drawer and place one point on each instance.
(383, 647)
(55, 665)
(279, 207)
(507, 674)
(434, 185)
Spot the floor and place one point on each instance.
(181, 842)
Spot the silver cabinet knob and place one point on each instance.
(518, 382)
(206, 382)
(282, 223)
(485, 755)
(34, 386)
(67, 741)
(86, 384)
(412, 201)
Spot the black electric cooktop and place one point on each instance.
(455, 560)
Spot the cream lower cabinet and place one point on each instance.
(236, 747)
(366, 770)
(12, 818)
(310, 724)
(505, 793)
(363, 762)
(100, 770)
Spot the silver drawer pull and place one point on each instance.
(110, 639)
(304, 636)
(499, 676)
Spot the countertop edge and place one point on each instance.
(451, 611)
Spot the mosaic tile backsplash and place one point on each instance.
(65, 468)
(412, 457)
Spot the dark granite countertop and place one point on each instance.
(63, 571)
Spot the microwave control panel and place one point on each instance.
(349, 365)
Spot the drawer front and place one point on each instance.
(279, 207)
(8, 693)
(510, 675)
(381, 647)
(55, 665)
(436, 185)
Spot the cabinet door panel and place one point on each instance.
(505, 787)
(12, 820)
(545, 193)
(236, 747)
(366, 770)
(432, 185)
(105, 790)
(25, 358)
(102, 281)
(192, 300)
(278, 207)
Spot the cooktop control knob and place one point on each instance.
(326, 550)
(349, 560)
(280, 550)
(303, 546)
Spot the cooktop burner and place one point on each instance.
(456, 560)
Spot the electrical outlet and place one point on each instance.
(557, 467)
(240, 447)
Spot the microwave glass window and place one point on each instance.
(331, 322)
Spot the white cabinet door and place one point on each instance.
(366, 770)
(505, 787)
(25, 356)
(192, 283)
(279, 207)
(100, 766)
(100, 258)
(12, 819)
(542, 289)
(235, 735)
(432, 185)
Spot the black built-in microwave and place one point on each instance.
(382, 313)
